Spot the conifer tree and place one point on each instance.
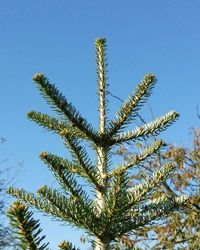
(117, 208)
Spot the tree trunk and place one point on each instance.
(102, 164)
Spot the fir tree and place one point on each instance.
(117, 208)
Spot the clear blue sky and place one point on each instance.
(57, 38)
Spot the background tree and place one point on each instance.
(117, 208)
(7, 240)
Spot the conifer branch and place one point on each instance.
(55, 125)
(63, 164)
(117, 194)
(66, 245)
(155, 211)
(147, 130)
(25, 196)
(136, 159)
(133, 104)
(130, 213)
(138, 193)
(64, 177)
(38, 203)
(27, 229)
(81, 157)
(76, 210)
(58, 206)
(59, 103)
(117, 198)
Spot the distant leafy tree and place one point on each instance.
(7, 240)
(117, 208)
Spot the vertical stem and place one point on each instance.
(101, 195)
(102, 165)
(102, 82)
(102, 152)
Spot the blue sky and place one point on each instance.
(57, 38)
